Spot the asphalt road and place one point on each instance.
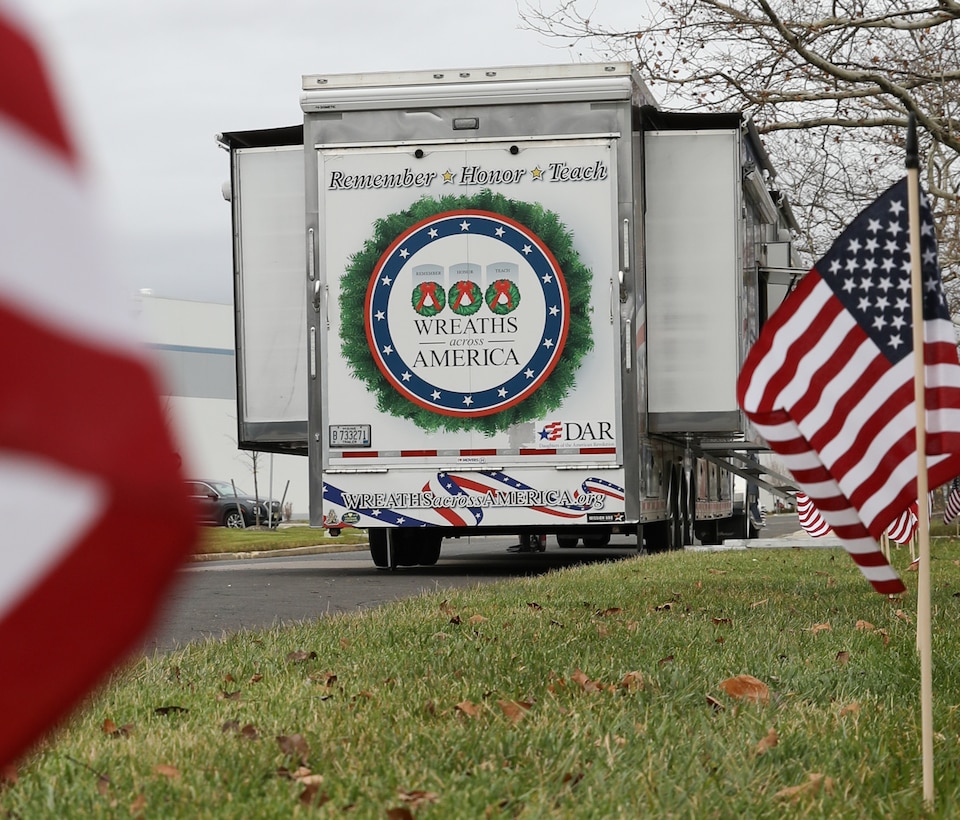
(216, 598)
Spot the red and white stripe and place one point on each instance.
(95, 515)
(810, 519)
(905, 525)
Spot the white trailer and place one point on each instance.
(504, 300)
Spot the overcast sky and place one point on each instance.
(149, 83)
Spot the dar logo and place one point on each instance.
(468, 312)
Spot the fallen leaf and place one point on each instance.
(468, 708)
(103, 785)
(723, 621)
(309, 796)
(666, 660)
(534, 605)
(602, 631)
(514, 710)
(865, 626)
(904, 617)
(584, 682)
(138, 805)
(843, 657)
(821, 628)
(301, 655)
(166, 770)
(326, 679)
(746, 687)
(755, 604)
(229, 695)
(455, 620)
(613, 610)
(717, 571)
(399, 813)
(850, 709)
(814, 785)
(294, 746)
(417, 797)
(767, 743)
(663, 607)
(716, 704)
(309, 779)
(633, 681)
(477, 619)
(111, 728)
(169, 710)
(256, 678)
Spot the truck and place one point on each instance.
(506, 300)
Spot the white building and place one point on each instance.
(193, 343)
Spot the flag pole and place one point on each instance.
(923, 567)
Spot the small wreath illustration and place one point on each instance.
(465, 298)
(552, 234)
(502, 296)
(428, 298)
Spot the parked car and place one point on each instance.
(217, 504)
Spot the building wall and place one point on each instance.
(193, 343)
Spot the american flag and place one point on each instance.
(97, 518)
(810, 518)
(905, 525)
(829, 383)
(952, 510)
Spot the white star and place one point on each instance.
(848, 285)
(433, 233)
(546, 278)
(872, 244)
(864, 304)
(401, 519)
(929, 256)
(897, 322)
(854, 246)
(502, 392)
(895, 342)
(902, 304)
(375, 512)
(435, 395)
(896, 207)
(874, 226)
(882, 303)
(386, 280)
(528, 373)
(464, 226)
(554, 310)
(548, 343)
(499, 231)
(527, 249)
(406, 375)
(379, 315)
(387, 350)
(468, 400)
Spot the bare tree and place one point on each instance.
(829, 84)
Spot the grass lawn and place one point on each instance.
(221, 539)
(763, 683)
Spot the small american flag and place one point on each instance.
(829, 382)
(905, 525)
(810, 519)
(952, 510)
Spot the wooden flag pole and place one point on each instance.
(923, 531)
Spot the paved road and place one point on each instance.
(216, 598)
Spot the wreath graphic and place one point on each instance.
(502, 296)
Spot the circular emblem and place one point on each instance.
(490, 350)
(476, 313)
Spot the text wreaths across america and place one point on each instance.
(829, 383)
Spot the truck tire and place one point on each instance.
(567, 541)
(599, 540)
(429, 549)
(378, 547)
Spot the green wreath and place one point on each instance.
(505, 289)
(461, 290)
(555, 388)
(428, 298)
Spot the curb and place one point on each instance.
(319, 549)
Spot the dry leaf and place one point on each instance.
(468, 708)
(746, 687)
(294, 746)
(138, 805)
(613, 610)
(666, 660)
(534, 605)
(865, 626)
(716, 704)
(843, 657)
(417, 797)
(904, 617)
(812, 786)
(399, 813)
(514, 710)
(584, 682)
(167, 771)
(850, 709)
(663, 607)
(602, 631)
(229, 695)
(309, 796)
(755, 604)
(301, 655)
(111, 728)
(821, 628)
(477, 619)
(163, 711)
(723, 621)
(765, 745)
(256, 678)
(632, 681)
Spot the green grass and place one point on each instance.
(220, 539)
(592, 692)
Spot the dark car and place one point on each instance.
(217, 504)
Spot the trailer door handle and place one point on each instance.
(628, 345)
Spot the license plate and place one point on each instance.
(349, 435)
